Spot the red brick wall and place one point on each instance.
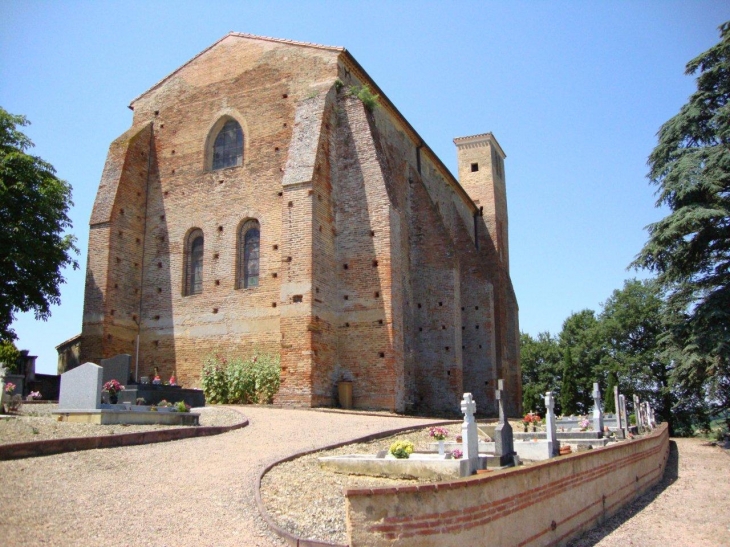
(353, 238)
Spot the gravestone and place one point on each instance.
(81, 388)
(617, 402)
(116, 368)
(597, 409)
(624, 416)
(552, 432)
(469, 433)
(503, 441)
(647, 416)
(637, 413)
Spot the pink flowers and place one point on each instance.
(113, 387)
(438, 433)
(9, 388)
(456, 454)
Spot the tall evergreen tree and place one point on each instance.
(689, 249)
(568, 390)
(609, 399)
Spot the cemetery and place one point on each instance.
(487, 482)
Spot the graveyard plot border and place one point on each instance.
(293, 539)
(33, 449)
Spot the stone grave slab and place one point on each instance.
(81, 388)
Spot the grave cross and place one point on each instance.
(553, 446)
(469, 433)
(498, 396)
(597, 409)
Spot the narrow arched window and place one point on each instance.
(228, 146)
(194, 265)
(249, 239)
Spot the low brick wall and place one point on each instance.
(543, 504)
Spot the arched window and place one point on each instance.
(228, 146)
(194, 265)
(249, 239)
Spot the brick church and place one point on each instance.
(261, 200)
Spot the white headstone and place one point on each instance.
(637, 412)
(81, 388)
(469, 433)
(552, 435)
(597, 409)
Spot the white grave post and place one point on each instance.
(597, 409)
(469, 433)
(647, 415)
(619, 425)
(552, 435)
(624, 416)
(637, 412)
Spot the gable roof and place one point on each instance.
(335, 49)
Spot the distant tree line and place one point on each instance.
(668, 339)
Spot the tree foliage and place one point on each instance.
(689, 249)
(33, 216)
(540, 360)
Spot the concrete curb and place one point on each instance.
(297, 541)
(35, 449)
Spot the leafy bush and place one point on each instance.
(215, 384)
(365, 94)
(241, 381)
(401, 449)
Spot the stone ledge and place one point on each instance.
(34, 449)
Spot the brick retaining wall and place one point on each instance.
(543, 504)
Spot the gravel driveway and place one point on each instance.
(189, 492)
(201, 491)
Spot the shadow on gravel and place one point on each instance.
(595, 535)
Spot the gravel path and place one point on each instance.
(201, 491)
(189, 492)
(690, 507)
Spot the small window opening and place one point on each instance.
(474, 167)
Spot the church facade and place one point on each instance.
(265, 198)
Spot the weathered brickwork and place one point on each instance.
(375, 264)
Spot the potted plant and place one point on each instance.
(113, 387)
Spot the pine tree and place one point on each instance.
(568, 387)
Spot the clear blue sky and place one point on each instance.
(574, 92)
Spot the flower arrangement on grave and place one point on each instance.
(531, 419)
(9, 388)
(182, 406)
(33, 395)
(113, 387)
(163, 404)
(438, 433)
(173, 380)
(401, 449)
(456, 454)
(584, 424)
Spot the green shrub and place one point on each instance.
(241, 381)
(215, 385)
(365, 94)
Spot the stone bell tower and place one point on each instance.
(481, 174)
